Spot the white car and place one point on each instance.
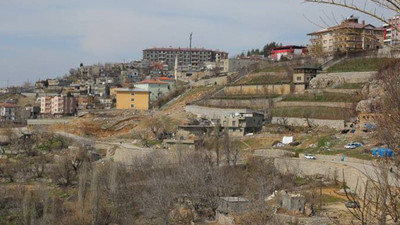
(309, 156)
(352, 145)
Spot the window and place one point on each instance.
(233, 123)
(298, 78)
(132, 99)
(132, 94)
(132, 106)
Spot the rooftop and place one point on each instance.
(165, 78)
(7, 105)
(131, 90)
(182, 49)
(151, 81)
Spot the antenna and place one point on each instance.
(190, 49)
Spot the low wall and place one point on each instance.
(261, 89)
(354, 178)
(352, 77)
(212, 81)
(332, 90)
(291, 121)
(235, 103)
(347, 105)
(212, 113)
(272, 153)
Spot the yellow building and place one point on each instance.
(348, 36)
(133, 98)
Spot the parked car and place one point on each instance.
(309, 156)
(352, 204)
(352, 145)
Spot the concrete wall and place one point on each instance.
(212, 113)
(212, 81)
(332, 90)
(257, 103)
(354, 178)
(352, 77)
(347, 105)
(272, 153)
(266, 89)
(334, 124)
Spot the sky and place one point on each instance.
(42, 39)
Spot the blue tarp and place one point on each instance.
(383, 152)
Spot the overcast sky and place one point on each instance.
(45, 38)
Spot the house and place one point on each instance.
(287, 52)
(133, 98)
(292, 203)
(58, 105)
(349, 35)
(302, 76)
(8, 111)
(156, 87)
(233, 204)
(240, 124)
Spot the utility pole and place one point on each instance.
(190, 50)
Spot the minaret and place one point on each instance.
(176, 68)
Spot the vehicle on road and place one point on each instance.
(309, 156)
(352, 145)
(352, 204)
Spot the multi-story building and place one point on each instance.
(195, 56)
(58, 105)
(390, 34)
(239, 124)
(7, 112)
(133, 98)
(348, 36)
(157, 88)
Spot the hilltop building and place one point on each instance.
(58, 106)
(390, 35)
(195, 56)
(348, 36)
(133, 98)
(287, 52)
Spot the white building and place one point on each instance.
(7, 112)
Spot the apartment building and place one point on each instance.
(133, 98)
(7, 112)
(349, 35)
(390, 34)
(195, 56)
(58, 105)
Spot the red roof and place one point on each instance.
(165, 78)
(7, 105)
(151, 82)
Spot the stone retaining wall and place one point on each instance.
(347, 105)
(334, 124)
(260, 89)
(354, 178)
(352, 77)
